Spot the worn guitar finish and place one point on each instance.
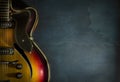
(20, 58)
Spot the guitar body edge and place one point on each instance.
(40, 65)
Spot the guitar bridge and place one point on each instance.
(9, 62)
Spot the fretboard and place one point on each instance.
(4, 10)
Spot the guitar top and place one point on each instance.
(21, 60)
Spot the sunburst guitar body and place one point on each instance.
(20, 58)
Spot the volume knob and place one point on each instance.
(19, 66)
(19, 75)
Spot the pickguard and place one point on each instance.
(21, 24)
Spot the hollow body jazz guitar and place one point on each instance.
(20, 58)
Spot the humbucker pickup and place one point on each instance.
(6, 51)
(6, 24)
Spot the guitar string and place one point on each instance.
(1, 55)
(4, 46)
(4, 39)
(7, 28)
(1, 45)
(6, 65)
(2, 51)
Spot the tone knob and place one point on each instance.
(19, 75)
(19, 66)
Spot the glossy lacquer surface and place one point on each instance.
(39, 65)
(36, 58)
(21, 60)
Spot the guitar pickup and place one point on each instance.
(6, 51)
(5, 25)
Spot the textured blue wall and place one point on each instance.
(79, 38)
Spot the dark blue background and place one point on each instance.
(80, 39)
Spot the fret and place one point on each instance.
(4, 14)
(4, 1)
(3, 20)
(3, 4)
(4, 10)
(4, 17)
(4, 7)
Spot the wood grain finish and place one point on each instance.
(35, 67)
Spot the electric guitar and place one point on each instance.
(20, 58)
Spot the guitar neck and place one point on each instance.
(4, 10)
